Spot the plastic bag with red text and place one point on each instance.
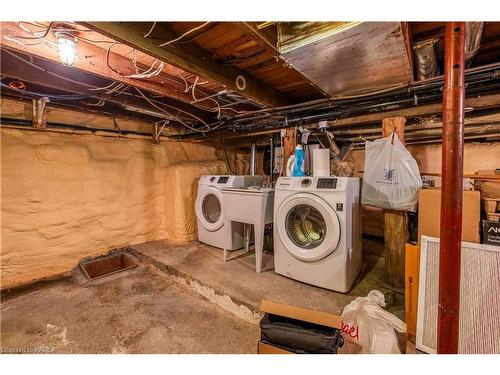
(367, 325)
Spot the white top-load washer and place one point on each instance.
(317, 230)
(209, 209)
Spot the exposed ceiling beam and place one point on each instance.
(260, 35)
(189, 57)
(14, 69)
(93, 59)
(406, 29)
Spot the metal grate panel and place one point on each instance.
(479, 298)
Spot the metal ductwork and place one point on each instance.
(473, 34)
(425, 59)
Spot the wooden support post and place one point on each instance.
(289, 146)
(395, 222)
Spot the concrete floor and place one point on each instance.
(140, 313)
(201, 267)
(181, 299)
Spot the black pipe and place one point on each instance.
(326, 110)
(21, 123)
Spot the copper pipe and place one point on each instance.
(451, 191)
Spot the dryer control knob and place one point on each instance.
(306, 182)
(212, 179)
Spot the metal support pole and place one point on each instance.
(253, 158)
(271, 157)
(451, 191)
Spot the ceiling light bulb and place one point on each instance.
(66, 48)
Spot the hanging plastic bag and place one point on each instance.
(366, 324)
(391, 177)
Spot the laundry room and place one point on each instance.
(194, 186)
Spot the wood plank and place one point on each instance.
(395, 238)
(366, 57)
(289, 143)
(189, 57)
(406, 29)
(395, 222)
(270, 45)
(396, 125)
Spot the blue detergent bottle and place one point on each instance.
(298, 166)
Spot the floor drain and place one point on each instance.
(109, 265)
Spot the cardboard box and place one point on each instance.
(488, 189)
(412, 271)
(294, 312)
(435, 182)
(265, 348)
(429, 214)
(491, 232)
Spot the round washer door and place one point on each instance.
(209, 208)
(308, 227)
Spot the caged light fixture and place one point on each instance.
(66, 48)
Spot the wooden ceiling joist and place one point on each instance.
(11, 68)
(188, 57)
(93, 59)
(269, 43)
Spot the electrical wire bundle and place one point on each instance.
(119, 88)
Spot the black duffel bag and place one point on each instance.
(298, 336)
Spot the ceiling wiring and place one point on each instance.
(41, 36)
(108, 52)
(13, 39)
(103, 88)
(211, 99)
(38, 95)
(30, 63)
(175, 117)
(116, 88)
(185, 34)
(149, 73)
(196, 35)
(112, 88)
(150, 30)
(100, 103)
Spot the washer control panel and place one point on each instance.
(223, 180)
(326, 183)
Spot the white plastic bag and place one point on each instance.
(391, 177)
(366, 324)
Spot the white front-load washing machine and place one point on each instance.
(317, 230)
(210, 211)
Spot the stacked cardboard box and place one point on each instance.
(490, 197)
(429, 214)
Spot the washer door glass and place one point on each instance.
(211, 208)
(305, 226)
